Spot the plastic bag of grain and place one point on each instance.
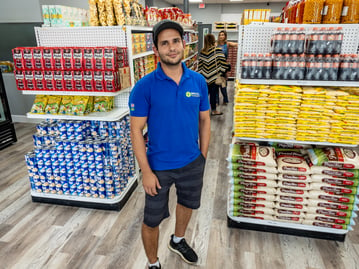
(259, 182)
(332, 205)
(327, 225)
(295, 178)
(335, 157)
(292, 192)
(293, 185)
(330, 213)
(252, 187)
(291, 206)
(251, 169)
(292, 219)
(332, 180)
(236, 173)
(252, 153)
(251, 201)
(332, 220)
(293, 165)
(335, 197)
(323, 170)
(329, 188)
(239, 210)
(251, 193)
(291, 199)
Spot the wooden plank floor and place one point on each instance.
(35, 235)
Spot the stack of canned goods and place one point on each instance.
(83, 158)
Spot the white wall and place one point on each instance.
(15, 11)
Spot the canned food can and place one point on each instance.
(118, 190)
(90, 157)
(60, 155)
(52, 188)
(94, 192)
(58, 188)
(86, 182)
(107, 170)
(103, 129)
(67, 144)
(78, 180)
(36, 179)
(73, 189)
(82, 146)
(41, 128)
(69, 163)
(99, 166)
(47, 140)
(66, 188)
(45, 187)
(100, 183)
(38, 186)
(92, 182)
(110, 194)
(89, 146)
(80, 191)
(102, 193)
(38, 140)
(87, 191)
(97, 146)
(70, 129)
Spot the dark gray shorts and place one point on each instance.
(188, 181)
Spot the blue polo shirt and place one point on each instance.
(172, 113)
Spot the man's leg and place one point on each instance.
(183, 216)
(150, 241)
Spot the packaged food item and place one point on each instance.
(80, 105)
(258, 155)
(335, 157)
(332, 220)
(313, 203)
(38, 58)
(53, 104)
(39, 105)
(77, 58)
(49, 80)
(78, 81)
(39, 80)
(103, 103)
(29, 80)
(68, 80)
(110, 16)
(98, 81)
(88, 58)
(120, 17)
(252, 169)
(101, 8)
(350, 12)
(57, 55)
(68, 57)
(58, 80)
(93, 13)
(88, 81)
(261, 182)
(48, 58)
(291, 206)
(337, 189)
(326, 225)
(110, 81)
(251, 203)
(20, 80)
(293, 165)
(332, 11)
(66, 105)
(313, 11)
(293, 185)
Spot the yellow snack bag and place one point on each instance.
(102, 104)
(79, 105)
(39, 105)
(53, 104)
(66, 105)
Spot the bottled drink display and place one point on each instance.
(324, 40)
(288, 40)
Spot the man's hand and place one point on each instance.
(150, 183)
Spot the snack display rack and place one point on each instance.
(91, 37)
(141, 29)
(255, 38)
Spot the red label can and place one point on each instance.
(48, 59)
(88, 80)
(110, 81)
(28, 58)
(39, 80)
(38, 59)
(29, 80)
(99, 58)
(58, 59)
(59, 80)
(20, 80)
(99, 81)
(49, 80)
(77, 58)
(78, 81)
(68, 80)
(67, 54)
(88, 59)
(18, 58)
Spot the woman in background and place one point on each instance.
(212, 62)
(223, 44)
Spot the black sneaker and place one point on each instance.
(184, 250)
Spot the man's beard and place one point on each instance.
(170, 62)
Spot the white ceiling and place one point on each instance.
(180, 2)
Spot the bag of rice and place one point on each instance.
(292, 192)
(335, 180)
(251, 201)
(331, 213)
(326, 225)
(293, 165)
(284, 218)
(289, 213)
(236, 173)
(259, 182)
(254, 169)
(295, 178)
(251, 192)
(331, 205)
(335, 198)
(329, 188)
(293, 185)
(290, 206)
(250, 186)
(261, 155)
(291, 199)
(335, 157)
(323, 170)
(333, 220)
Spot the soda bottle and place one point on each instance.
(277, 41)
(267, 66)
(293, 62)
(292, 43)
(339, 40)
(353, 67)
(318, 67)
(300, 41)
(335, 67)
(277, 66)
(252, 66)
(327, 66)
(344, 69)
(312, 40)
(258, 74)
(245, 66)
(331, 40)
(322, 42)
(310, 67)
(286, 40)
(286, 67)
(301, 66)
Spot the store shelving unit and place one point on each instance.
(83, 37)
(255, 38)
(129, 30)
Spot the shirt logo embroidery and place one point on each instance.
(132, 107)
(192, 94)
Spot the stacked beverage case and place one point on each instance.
(81, 158)
(294, 183)
(297, 55)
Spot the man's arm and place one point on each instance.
(149, 179)
(204, 131)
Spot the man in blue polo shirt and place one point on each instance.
(173, 101)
